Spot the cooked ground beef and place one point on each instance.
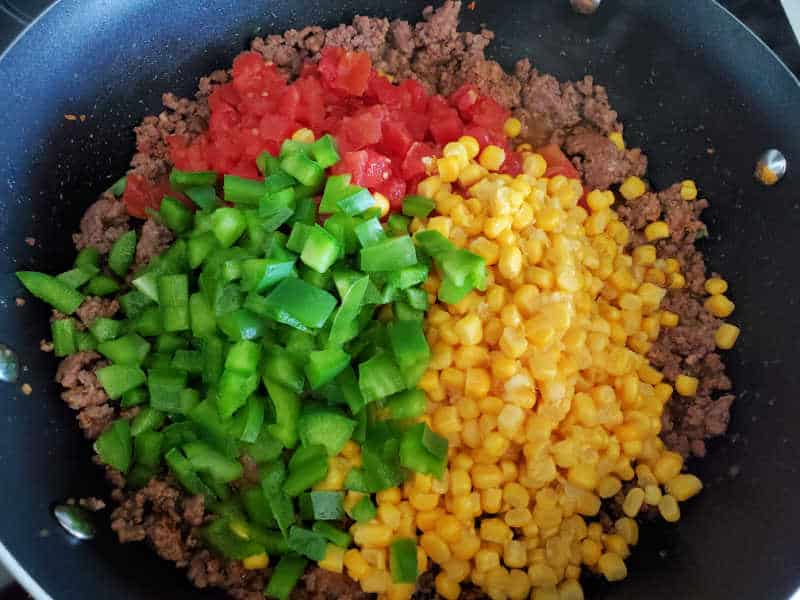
(102, 223)
(94, 307)
(154, 238)
(575, 115)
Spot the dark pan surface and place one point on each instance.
(686, 78)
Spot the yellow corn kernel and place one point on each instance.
(570, 589)
(470, 144)
(449, 529)
(486, 476)
(435, 547)
(583, 476)
(487, 250)
(303, 135)
(446, 587)
(725, 337)
(458, 151)
(612, 566)
(382, 202)
(591, 550)
(334, 559)
(677, 281)
(688, 189)
(429, 186)
(400, 591)
(534, 165)
(495, 530)
(719, 306)
(628, 529)
(372, 535)
(389, 496)
(633, 187)
(668, 507)
(471, 174)
(460, 482)
(633, 502)
(716, 285)
(657, 230)
(467, 547)
(512, 127)
(513, 343)
(684, 486)
(671, 265)
(608, 486)
(617, 139)
(257, 561)
(516, 495)
(518, 517)
(515, 554)
(448, 168)
(652, 495)
(510, 263)
(669, 319)
(668, 465)
(686, 385)
(598, 200)
(644, 254)
(542, 575)
(616, 543)
(491, 500)
(357, 565)
(492, 157)
(376, 582)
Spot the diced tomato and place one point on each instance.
(141, 194)
(413, 164)
(464, 99)
(345, 71)
(186, 156)
(489, 114)
(367, 167)
(276, 127)
(396, 138)
(414, 97)
(245, 168)
(446, 125)
(395, 190)
(512, 164)
(381, 91)
(311, 110)
(362, 129)
(557, 162)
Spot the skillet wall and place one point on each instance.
(683, 74)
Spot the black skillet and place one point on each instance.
(696, 89)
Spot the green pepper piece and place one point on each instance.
(134, 397)
(333, 534)
(78, 276)
(342, 329)
(115, 445)
(286, 405)
(267, 163)
(56, 293)
(403, 312)
(147, 448)
(105, 329)
(148, 419)
(418, 206)
(300, 305)
(181, 180)
(309, 465)
(134, 303)
(234, 389)
(199, 246)
(334, 190)
(279, 366)
(320, 249)
(408, 404)
(255, 503)
(410, 349)
(324, 365)
(408, 276)
(175, 215)
(297, 239)
(355, 200)
(279, 503)
(325, 427)
(220, 537)
(324, 151)
(254, 419)
(184, 473)
(389, 255)
(204, 196)
(228, 224)
(64, 340)
(307, 543)
(242, 191)
(379, 377)
(397, 225)
(323, 505)
(423, 451)
(302, 168)
(285, 576)
(206, 459)
(403, 560)
(118, 379)
(118, 187)
(370, 232)
(164, 387)
(364, 510)
(88, 258)
(241, 324)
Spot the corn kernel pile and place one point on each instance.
(540, 384)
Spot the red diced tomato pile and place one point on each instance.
(385, 132)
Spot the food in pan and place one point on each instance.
(370, 315)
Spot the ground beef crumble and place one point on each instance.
(575, 115)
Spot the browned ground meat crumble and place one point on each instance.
(575, 115)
